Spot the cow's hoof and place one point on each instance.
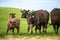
(31, 32)
(56, 33)
(36, 33)
(13, 33)
(17, 33)
(27, 34)
(44, 32)
(39, 32)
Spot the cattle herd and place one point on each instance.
(37, 19)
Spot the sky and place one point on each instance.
(31, 4)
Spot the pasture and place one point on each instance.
(4, 15)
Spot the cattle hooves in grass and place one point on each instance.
(27, 34)
(31, 32)
(44, 32)
(56, 33)
(39, 32)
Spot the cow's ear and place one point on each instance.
(28, 10)
(12, 13)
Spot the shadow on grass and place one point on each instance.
(2, 35)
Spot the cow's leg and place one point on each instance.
(13, 30)
(30, 26)
(36, 29)
(57, 29)
(17, 30)
(28, 29)
(54, 26)
(44, 28)
(7, 31)
(32, 29)
(39, 28)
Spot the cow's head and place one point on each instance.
(30, 17)
(24, 13)
(12, 15)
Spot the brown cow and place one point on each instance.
(36, 18)
(55, 19)
(13, 22)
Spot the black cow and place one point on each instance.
(55, 19)
(36, 18)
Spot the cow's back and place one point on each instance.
(55, 16)
(42, 16)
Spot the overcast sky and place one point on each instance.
(31, 4)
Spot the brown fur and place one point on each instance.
(13, 23)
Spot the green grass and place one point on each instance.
(4, 15)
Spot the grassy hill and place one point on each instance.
(4, 15)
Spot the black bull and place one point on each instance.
(55, 19)
(36, 18)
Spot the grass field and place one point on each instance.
(4, 15)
